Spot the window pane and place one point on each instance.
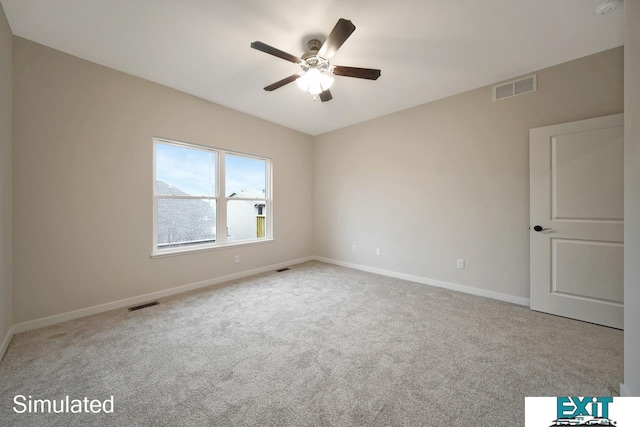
(184, 222)
(246, 220)
(245, 177)
(184, 171)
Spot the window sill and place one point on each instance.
(184, 251)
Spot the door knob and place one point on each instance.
(539, 228)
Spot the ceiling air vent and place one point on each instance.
(515, 87)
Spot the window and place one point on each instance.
(206, 198)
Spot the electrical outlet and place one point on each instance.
(460, 263)
(237, 259)
(353, 248)
(378, 252)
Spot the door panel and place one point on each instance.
(587, 176)
(583, 268)
(576, 195)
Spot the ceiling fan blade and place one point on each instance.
(360, 73)
(338, 36)
(326, 96)
(282, 82)
(275, 52)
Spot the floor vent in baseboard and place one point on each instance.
(141, 306)
(283, 269)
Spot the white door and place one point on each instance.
(576, 217)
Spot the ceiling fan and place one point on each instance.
(317, 73)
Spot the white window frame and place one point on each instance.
(220, 198)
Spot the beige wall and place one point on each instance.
(83, 183)
(632, 198)
(450, 179)
(6, 199)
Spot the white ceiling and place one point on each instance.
(427, 49)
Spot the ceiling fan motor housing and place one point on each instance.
(314, 44)
(316, 62)
(311, 59)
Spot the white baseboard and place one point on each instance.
(83, 312)
(6, 341)
(432, 282)
(63, 317)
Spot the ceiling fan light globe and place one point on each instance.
(314, 81)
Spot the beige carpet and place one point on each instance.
(316, 345)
